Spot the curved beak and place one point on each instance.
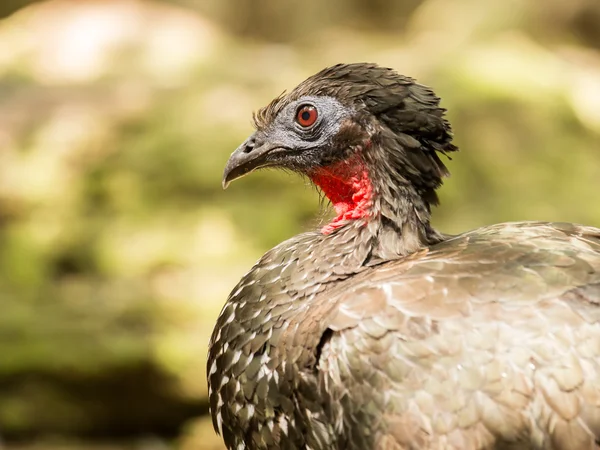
(249, 156)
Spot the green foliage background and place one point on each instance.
(118, 246)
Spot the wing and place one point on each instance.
(489, 340)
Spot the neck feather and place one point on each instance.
(348, 186)
(388, 213)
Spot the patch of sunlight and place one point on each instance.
(74, 134)
(182, 351)
(210, 241)
(512, 65)
(212, 256)
(213, 236)
(277, 65)
(44, 227)
(585, 96)
(446, 25)
(226, 104)
(191, 286)
(48, 169)
(128, 250)
(69, 41)
(175, 43)
(189, 301)
(34, 177)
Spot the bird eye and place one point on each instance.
(307, 115)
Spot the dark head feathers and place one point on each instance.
(396, 100)
(348, 83)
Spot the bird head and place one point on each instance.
(360, 132)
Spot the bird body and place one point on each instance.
(378, 332)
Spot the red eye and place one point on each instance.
(307, 115)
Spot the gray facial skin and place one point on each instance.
(287, 144)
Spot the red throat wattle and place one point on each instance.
(348, 186)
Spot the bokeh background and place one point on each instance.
(117, 244)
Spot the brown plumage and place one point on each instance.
(378, 332)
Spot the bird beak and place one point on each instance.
(249, 156)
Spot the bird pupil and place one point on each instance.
(306, 115)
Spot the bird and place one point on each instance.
(377, 331)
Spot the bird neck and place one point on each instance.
(348, 186)
(388, 214)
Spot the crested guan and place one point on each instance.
(379, 332)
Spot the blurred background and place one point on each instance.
(117, 244)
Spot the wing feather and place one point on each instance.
(488, 340)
